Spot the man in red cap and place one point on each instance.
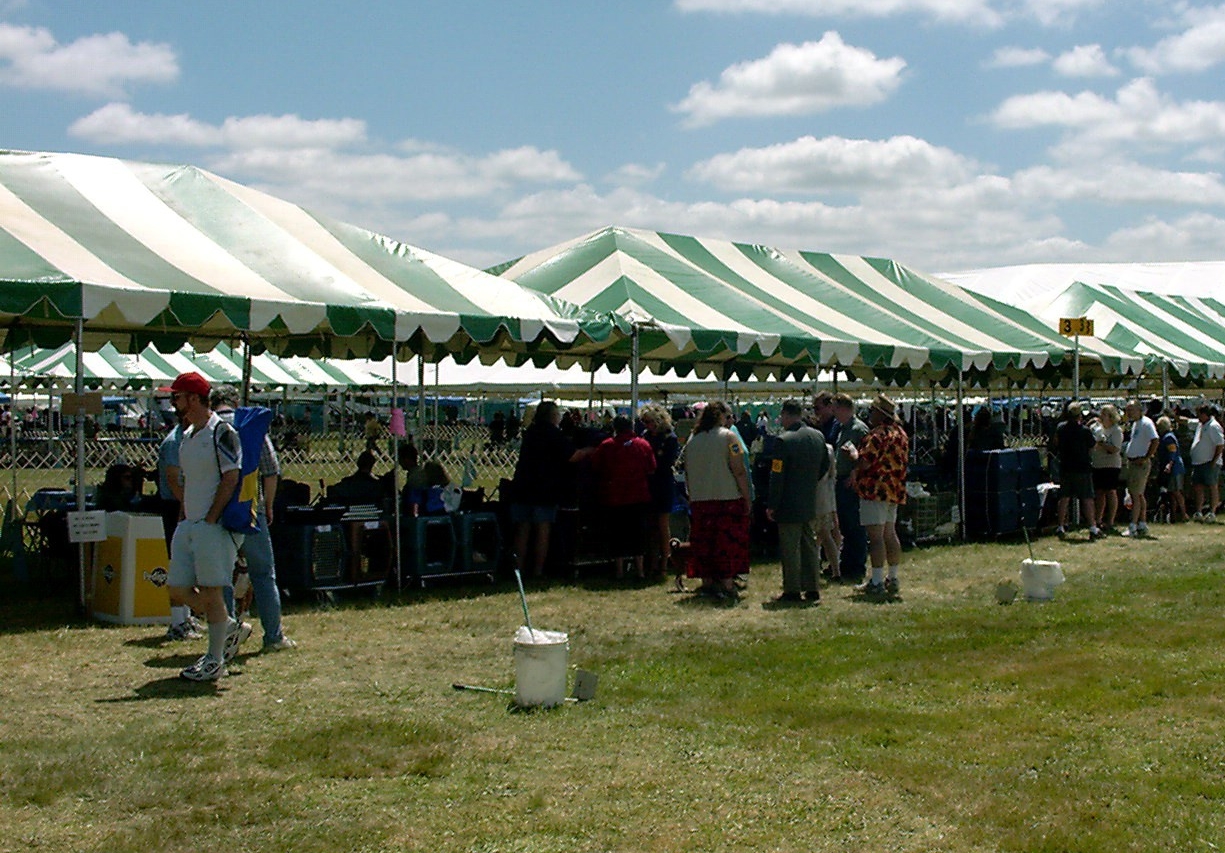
(202, 553)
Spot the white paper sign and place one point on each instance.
(88, 526)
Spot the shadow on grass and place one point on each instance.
(168, 688)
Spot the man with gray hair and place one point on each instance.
(1140, 449)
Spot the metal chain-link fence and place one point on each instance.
(48, 460)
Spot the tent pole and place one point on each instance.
(13, 435)
(591, 392)
(246, 372)
(78, 386)
(1165, 386)
(961, 456)
(634, 367)
(421, 395)
(395, 480)
(436, 366)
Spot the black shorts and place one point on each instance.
(1106, 479)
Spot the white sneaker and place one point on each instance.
(281, 645)
(1130, 531)
(235, 637)
(1210, 518)
(207, 668)
(1199, 516)
(183, 631)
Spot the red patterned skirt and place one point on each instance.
(718, 540)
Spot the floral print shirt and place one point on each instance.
(881, 472)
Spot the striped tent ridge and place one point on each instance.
(148, 253)
(1187, 333)
(758, 309)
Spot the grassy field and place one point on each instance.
(940, 722)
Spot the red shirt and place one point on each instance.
(624, 464)
(881, 472)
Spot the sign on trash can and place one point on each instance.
(87, 526)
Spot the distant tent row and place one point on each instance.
(109, 368)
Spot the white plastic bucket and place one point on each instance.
(1039, 579)
(541, 659)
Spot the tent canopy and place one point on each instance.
(162, 254)
(1187, 333)
(747, 309)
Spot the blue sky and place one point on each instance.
(946, 134)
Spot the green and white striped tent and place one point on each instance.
(109, 368)
(1186, 333)
(165, 254)
(740, 309)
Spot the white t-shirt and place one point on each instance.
(1208, 437)
(1143, 434)
(1107, 435)
(202, 462)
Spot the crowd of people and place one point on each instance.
(1149, 455)
(832, 485)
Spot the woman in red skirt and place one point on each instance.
(717, 478)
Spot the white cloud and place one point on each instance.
(966, 11)
(795, 80)
(810, 165)
(1086, 60)
(635, 174)
(1198, 48)
(31, 58)
(1196, 237)
(120, 124)
(1119, 183)
(989, 13)
(1138, 116)
(305, 158)
(1017, 57)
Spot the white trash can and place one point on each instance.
(1039, 579)
(541, 659)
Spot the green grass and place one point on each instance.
(942, 722)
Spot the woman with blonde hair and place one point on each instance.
(1107, 461)
(662, 484)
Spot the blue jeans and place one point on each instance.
(261, 570)
(854, 556)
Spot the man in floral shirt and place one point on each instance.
(879, 478)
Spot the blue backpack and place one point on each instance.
(241, 513)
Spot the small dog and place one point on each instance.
(679, 558)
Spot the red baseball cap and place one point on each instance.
(191, 383)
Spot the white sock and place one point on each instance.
(893, 573)
(878, 574)
(217, 633)
(179, 614)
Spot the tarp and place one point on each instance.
(744, 309)
(1187, 333)
(163, 254)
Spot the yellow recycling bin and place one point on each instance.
(131, 570)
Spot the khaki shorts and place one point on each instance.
(876, 512)
(1135, 474)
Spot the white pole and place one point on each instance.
(961, 455)
(395, 478)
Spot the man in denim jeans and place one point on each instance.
(261, 568)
